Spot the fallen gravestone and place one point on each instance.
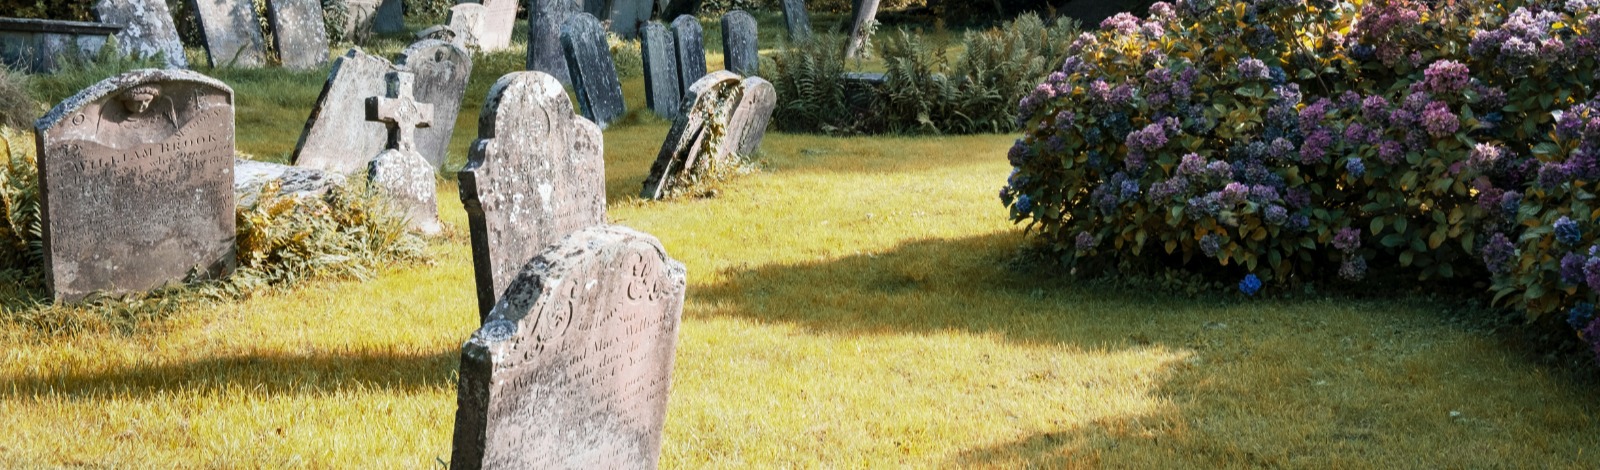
(689, 44)
(797, 20)
(390, 17)
(697, 134)
(251, 177)
(147, 29)
(499, 18)
(628, 15)
(441, 71)
(739, 51)
(749, 122)
(136, 184)
(594, 75)
(337, 137)
(573, 367)
(545, 18)
(534, 175)
(660, 70)
(231, 33)
(298, 33)
(467, 20)
(400, 173)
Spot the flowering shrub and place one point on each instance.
(1293, 140)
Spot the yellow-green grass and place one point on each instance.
(851, 305)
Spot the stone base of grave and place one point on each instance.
(250, 176)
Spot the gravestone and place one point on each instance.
(442, 70)
(467, 21)
(739, 51)
(573, 367)
(298, 33)
(749, 122)
(337, 137)
(545, 18)
(660, 70)
(499, 18)
(696, 135)
(594, 75)
(595, 8)
(690, 46)
(400, 173)
(136, 184)
(390, 17)
(628, 15)
(797, 20)
(534, 175)
(251, 177)
(443, 33)
(359, 17)
(147, 29)
(43, 46)
(231, 33)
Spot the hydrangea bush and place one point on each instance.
(1281, 141)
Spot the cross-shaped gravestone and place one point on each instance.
(400, 172)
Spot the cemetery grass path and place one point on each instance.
(851, 305)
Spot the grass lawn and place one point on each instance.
(853, 304)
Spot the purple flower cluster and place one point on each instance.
(1567, 231)
(1165, 190)
(1210, 244)
(1149, 139)
(1439, 121)
(1085, 241)
(1353, 268)
(1521, 41)
(1355, 168)
(1498, 253)
(1347, 240)
(1276, 215)
(1122, 23)
(1315, 146)
(1446, 77)
(1571, 268)
(1251, 68)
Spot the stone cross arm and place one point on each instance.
(400, 111)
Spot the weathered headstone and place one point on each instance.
(594, 75)
(43, 46)
(467, 20)
(797, 20)
(442, 70)
(499, 18)
(628, 15)
(136, 183)
(443, 33)
(251, 177)
(390, 17)
(690, 46)
(231, 33)
(749, 122)
(573, 367)
(534, 175)
(298, 32)
(660, 70)
(544, 37)
(359, 18)
(337, 137)
(400, 173)
(595, 8)
(739, 51)
(696, 135)
(147, 29)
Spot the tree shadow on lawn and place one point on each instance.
(1309, 380)
(269, 374)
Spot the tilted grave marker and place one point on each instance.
(359, 17)
(739, 51)
(690, 45)
(136, 183)
(442, 70)
(337, 137)
(467, 20)
(594, 75)
(231, 33)
(545, 18)
(797, 20)
(404, 177)
(499, 18)
(661, 91)
(748, 126)
(298, 33)
(147, 29)
(696, 134)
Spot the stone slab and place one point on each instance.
(544, 37)
(499, 18)
(594, 75)
(661, 87)
(690, 45)
(467, 20)
(250, 177)
(797, 20)
(298, 33)
(628, 15)
(43, 46)
(359, 18)
(147, 29)
(442, 70)
(740, 53)
(337, 137)
(136, 184)
(389, 18)
(697, 133)
(231, 32)
(748, 126)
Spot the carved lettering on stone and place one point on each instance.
(594, 75)
(696, 135)
(298, 32)
(231, 33)
(147, 29)
(661, 87)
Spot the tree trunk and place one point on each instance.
(866, 10)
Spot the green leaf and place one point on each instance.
(1406, 257)
(1393, 240)
(1377, 225)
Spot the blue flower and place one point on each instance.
(1024, 204)
(1580, 315)
(1250, 285)
(1355, 167)
(1567, 231)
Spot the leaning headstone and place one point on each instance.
(441, 71)
(390, 17)
(594, 75)
(298, 33)
(544, 37)
(573, 367)
(690, 46)
(337, 137)
(136, 184)
(696, 135)
(231, 33)
(660, 70)
(250, 178)
(797, 20)
(499, 18)
(749, 122)
(628, 15)
(534, 175)
(359, 17)
(467, 20)
(739, 51)
(400, 173)
(147, 29)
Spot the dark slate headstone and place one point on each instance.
(390, 17)
(147, 29)
(44, 46)
(595, 8)
(442, 70)
(749, 122)
(739, 51)
(499, 18)
(298, 33)
(660, 70)
(136, 183)
(697, 133)
(594, 75)
(628, 15)
(467, 20)
(690, 45)
(232, 33)
(796, 18)
(573, 367)
(534, 175)
(544, 37)
(337, 137)
(400, 173)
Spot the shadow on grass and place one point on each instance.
(261, 374)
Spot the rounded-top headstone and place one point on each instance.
(661, 87)
(739, 51)
(690, 46)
